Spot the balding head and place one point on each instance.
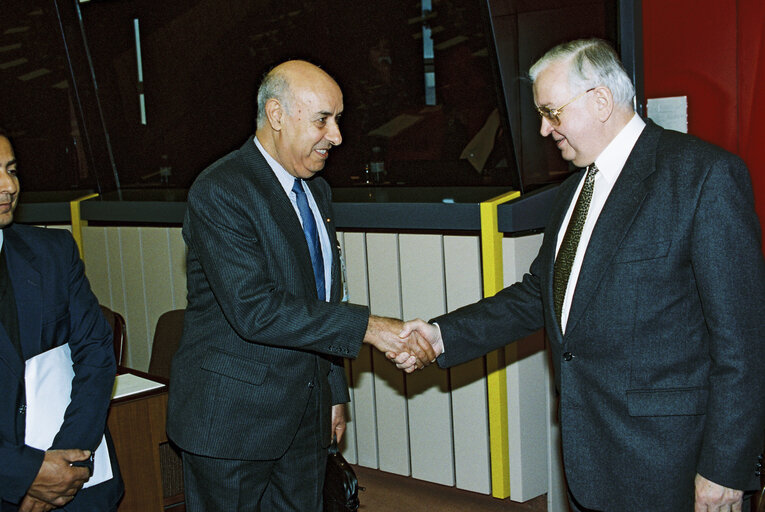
(278, 82)
(298, 108)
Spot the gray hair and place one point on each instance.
(274, 85)
(593, 62)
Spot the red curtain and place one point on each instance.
(713, 52)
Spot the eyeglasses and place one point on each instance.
(553, 114)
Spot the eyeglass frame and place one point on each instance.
(553, 114)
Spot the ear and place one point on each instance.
(275, 114)
(604, 101)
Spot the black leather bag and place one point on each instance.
(341, 487)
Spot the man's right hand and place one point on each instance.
(58, 481)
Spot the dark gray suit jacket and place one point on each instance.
(256, 341)
(660, 371)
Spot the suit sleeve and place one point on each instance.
(223, 233)
(477, 329)
(90, 339)
(730, 277)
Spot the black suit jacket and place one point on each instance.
(256, 341)
(55, 306)
(660, 371)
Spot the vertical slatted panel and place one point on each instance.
(178, 268)
(97, 263)
(348, 444)
(423, 295)
(526, 384)
(462, 264)
(362, 406)
(157, 277)
(390, 394)
(135, 298)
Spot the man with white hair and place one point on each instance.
(650, 283)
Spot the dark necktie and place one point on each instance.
(8, 314)
(567, 251)
(311, 237)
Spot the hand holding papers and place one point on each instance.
(48, 377)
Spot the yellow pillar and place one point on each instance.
(77, 222)
(491, 252)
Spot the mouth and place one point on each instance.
(323, 153)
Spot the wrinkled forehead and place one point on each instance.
(320, 97)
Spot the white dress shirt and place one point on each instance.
(610, 163)
(287, 181)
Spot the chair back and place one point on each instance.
(119, 330)
(166, 338)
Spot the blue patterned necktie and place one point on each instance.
(568, 247)
(311, 237)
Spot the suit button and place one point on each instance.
(310, 385)
(568, 356)
(23, 409)
(757, 473)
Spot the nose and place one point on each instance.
(546, 127)
(333, 134)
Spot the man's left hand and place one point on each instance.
(712, 497)
(338, 421)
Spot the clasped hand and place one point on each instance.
(410, 346)
(57, 481)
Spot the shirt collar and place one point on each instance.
(285, 179)
(611, 161)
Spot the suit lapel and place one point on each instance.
(27, 290)
(615, 220)
(281, 207)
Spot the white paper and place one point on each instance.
(128, 384)
(48, 380)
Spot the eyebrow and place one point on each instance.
(10, 162)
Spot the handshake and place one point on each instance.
(411, 346)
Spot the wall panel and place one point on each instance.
(429, 402)
(470, 412)
(390, 391)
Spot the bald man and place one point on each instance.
(257, 385)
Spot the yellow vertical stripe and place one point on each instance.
(77, 222)
(491, 251)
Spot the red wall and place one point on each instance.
(713, 52)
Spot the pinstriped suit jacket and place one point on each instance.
(256, 341)
(660, 371)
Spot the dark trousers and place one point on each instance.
(292, 483)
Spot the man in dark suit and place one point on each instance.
(650, 283)
(257, 386)
(46, 302)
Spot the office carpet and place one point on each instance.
(386, 492)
